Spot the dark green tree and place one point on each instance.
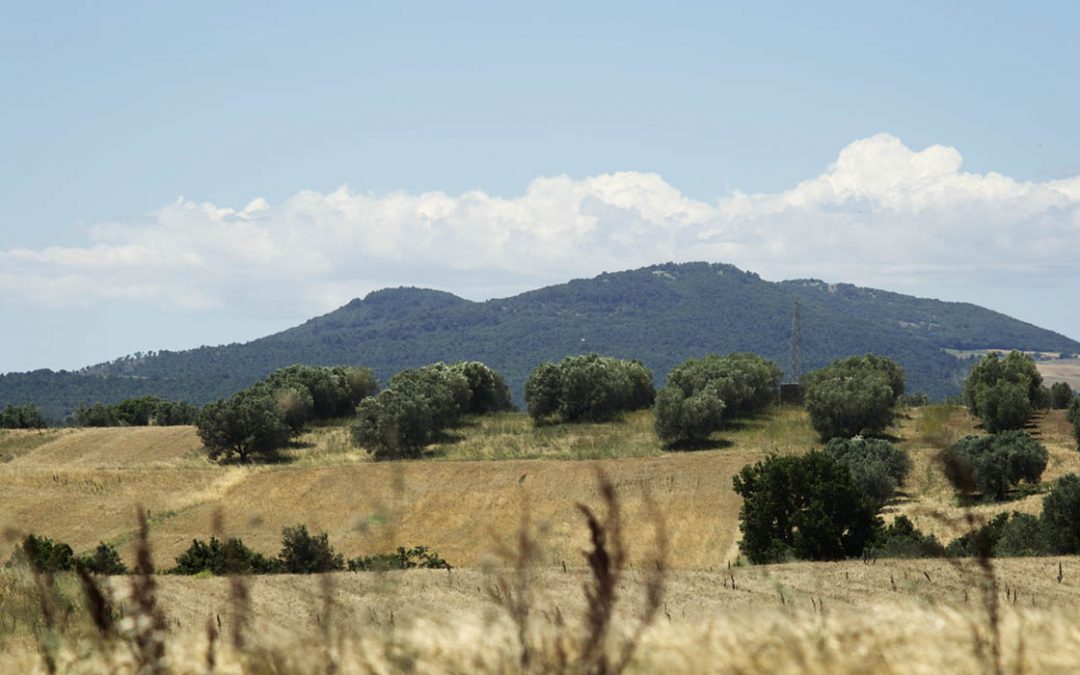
(587, 388)
(488, 390)
(804, 507)
(246, 424)
(220, 558)
(103, 560)
(302, 553)
(1061, 516)
(992, 464)
(22, 417)
(900, 539)
(1003, 392)
(854, 396)
(46, 556)
(702, 394)
(877, 466)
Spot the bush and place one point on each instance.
(394, 424)
(1023, 535)
(853, 396)
(217, 558)
(1003, 392)
(302, 553)
(981, 542)
(104, 560)
(22, 417)
(589, 388)
(877, 466)
(137, 412)
(901, 540)
(805, 507)
(46, 556)
(402, 559)
(701, 394)
(992, 464)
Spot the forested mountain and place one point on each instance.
(661, 315)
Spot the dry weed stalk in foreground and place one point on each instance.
(586, 648)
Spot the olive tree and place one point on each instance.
(854, 396)
(1003, 392)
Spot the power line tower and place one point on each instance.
(791, 392)
(795, 358)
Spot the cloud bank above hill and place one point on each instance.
(882, 214)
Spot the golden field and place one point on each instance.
(468, 499)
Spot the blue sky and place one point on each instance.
(177, 174)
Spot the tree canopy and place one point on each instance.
(587, 388)
(854, 396)
(1003, 392)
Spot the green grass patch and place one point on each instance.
(16, 443)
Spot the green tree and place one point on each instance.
(46, 556)
(395, 424)
(702, 394)
(220, 558)
(877, 466)
(1061, 395)
(488, 390)
(1003, 392)
(1061, 516)
(587, 388)
(992, 464)
(302, 553)
(854, 396)
(1074, 417)
(103, 560)
(246, 424)
(804, 507)
(22, 417)
(902, 540)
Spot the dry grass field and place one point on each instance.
(84, 486)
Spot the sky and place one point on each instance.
(180, 174)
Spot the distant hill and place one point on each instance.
(661, 314)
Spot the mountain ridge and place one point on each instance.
(660, 314)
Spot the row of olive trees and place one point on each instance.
(264, 417)
(587, 388)
(137, 412)
(22, 417)
(419, 404)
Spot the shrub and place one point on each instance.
(701, 394)
(805, 507)
(1023, 535)
(981, 542)
(217, 558)
(334, 391)
(877, 466)
(46, 556)
(1003, 392)
(991, 464)
(302, 553)
(901, 540)
(103, 560)
(394, 424)
(588, 388)
(402, 559)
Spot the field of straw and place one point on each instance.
(499, 502)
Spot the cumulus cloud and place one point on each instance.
(881, 214)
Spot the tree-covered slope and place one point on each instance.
(661, 315)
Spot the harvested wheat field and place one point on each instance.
(910, 617)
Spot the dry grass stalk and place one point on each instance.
(147, 629)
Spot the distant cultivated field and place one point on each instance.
(83, 486)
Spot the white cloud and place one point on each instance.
(881, 214)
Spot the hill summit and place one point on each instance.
(661, 314)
